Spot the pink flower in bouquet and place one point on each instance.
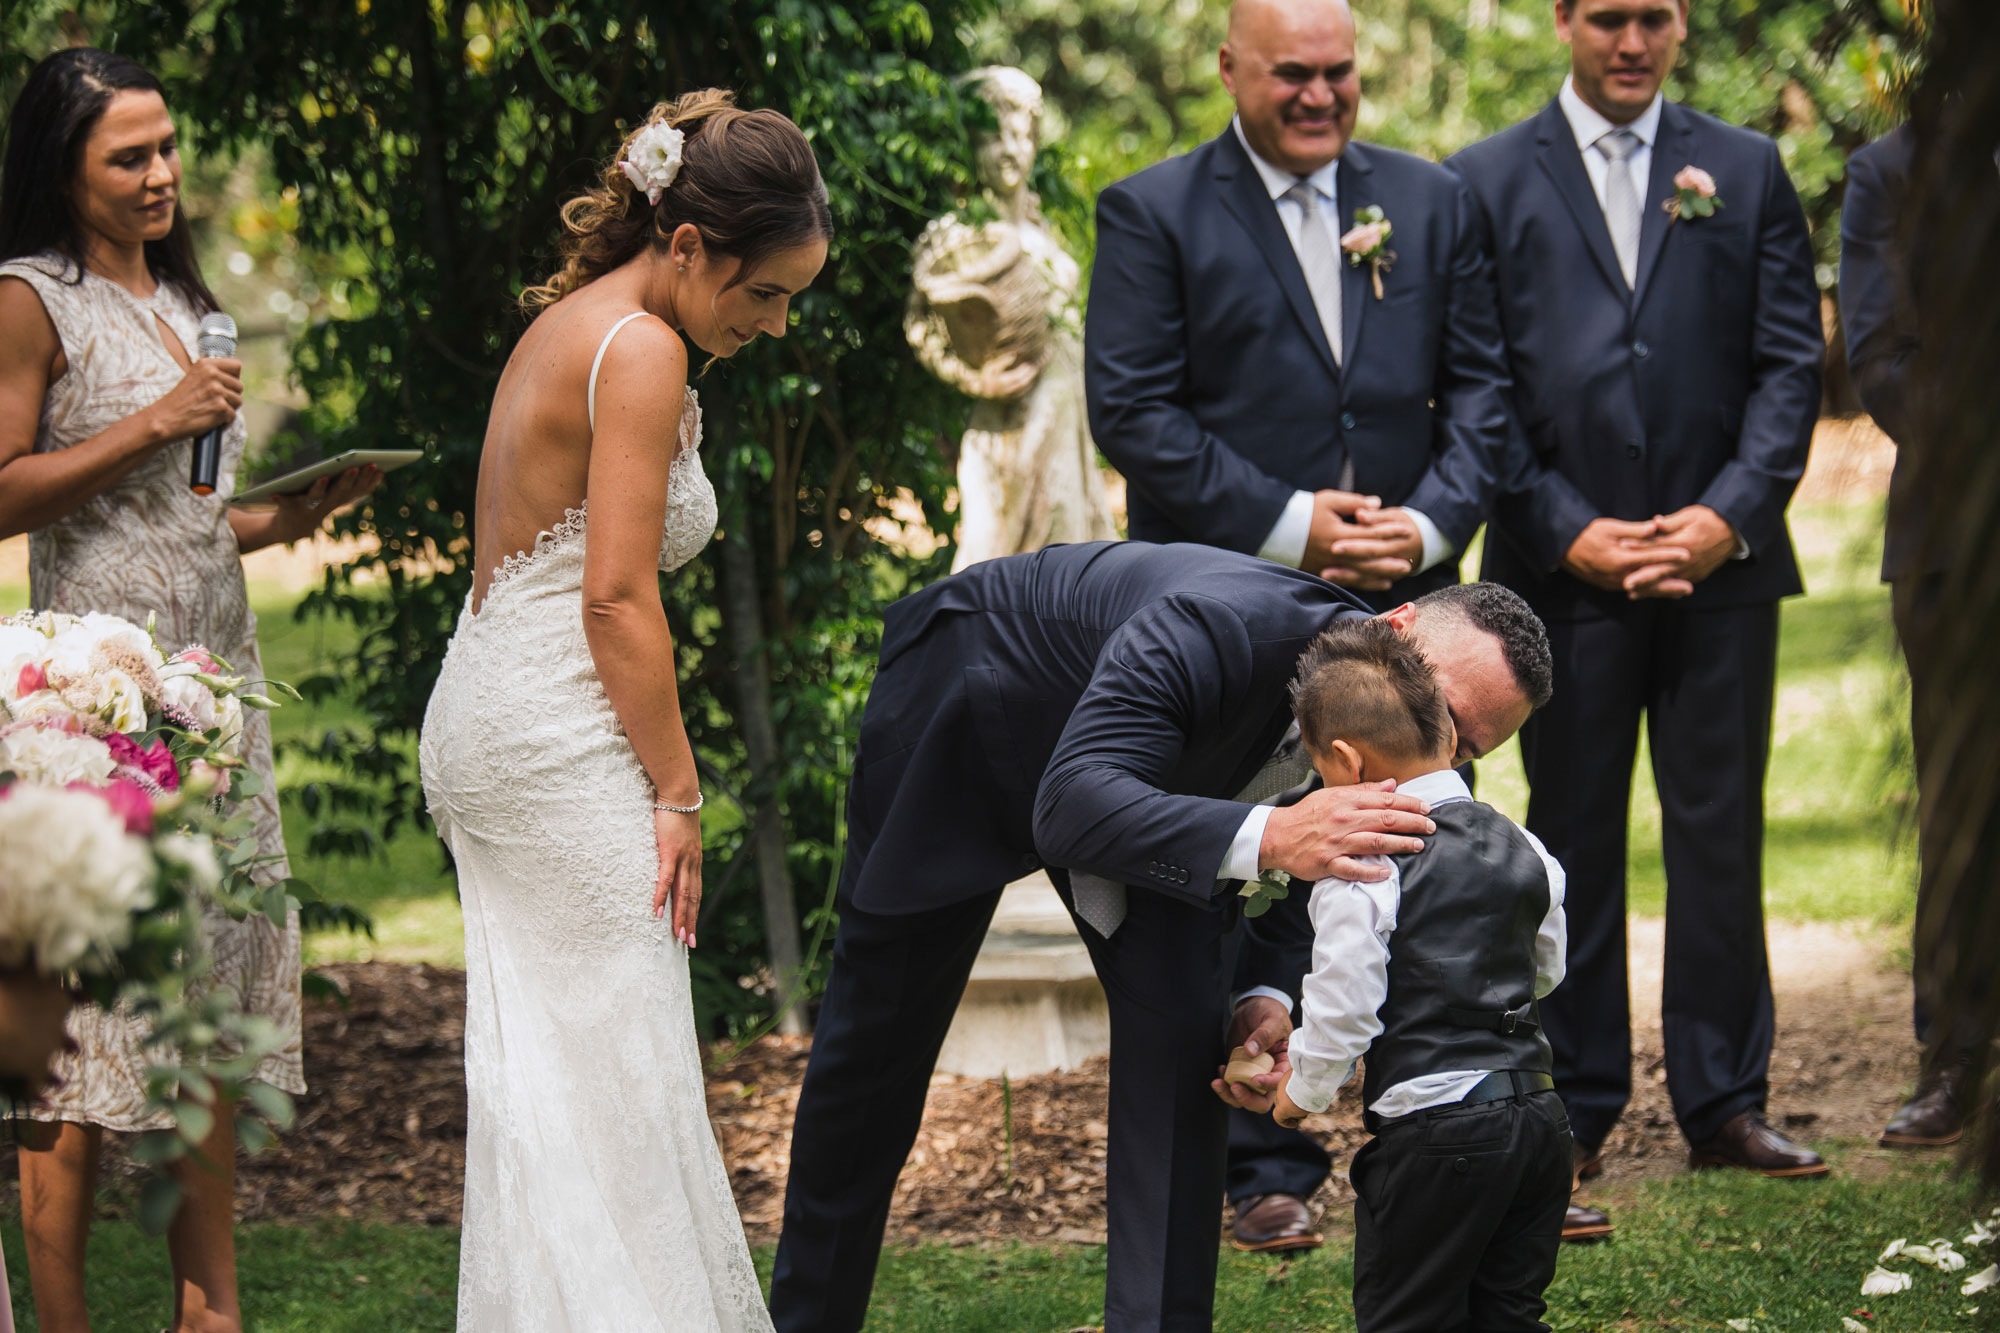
(33, 678)
(155, 760)
(205, 779)
(127, 799)
(198, 656)
(1694, 178)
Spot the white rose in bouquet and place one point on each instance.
(74, 877)
(120, 702)
(52, 755)
(183, 694)
(192, 854)
(104, 631)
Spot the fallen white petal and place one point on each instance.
(1895, 1248)
(1922, 1254)
(1852, 1325)
(1740, 1325)
(1983, 1280)
(1882, 1282)
(1981, 1234)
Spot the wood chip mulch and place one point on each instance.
(381, 1132)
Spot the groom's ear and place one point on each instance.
(1403, 617)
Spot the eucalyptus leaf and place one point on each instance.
(159, 1200)
(157, 1148)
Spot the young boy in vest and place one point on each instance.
(1434, 974)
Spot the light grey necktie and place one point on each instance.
(1621, 200)
(1320, 259)
(1101, 901)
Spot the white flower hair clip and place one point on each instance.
(654, 159)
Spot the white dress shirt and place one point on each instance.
(1286, 543)
(1352, 928)
(1588, 125)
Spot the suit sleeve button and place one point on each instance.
(1640, 350)
(1632, 449)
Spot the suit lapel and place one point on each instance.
(1673, 148)
(1243, 194)
(1356, 185)
(1562, 161)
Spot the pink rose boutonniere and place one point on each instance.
(1694, 195)
(1368, 243)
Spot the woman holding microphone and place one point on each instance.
(102, 397)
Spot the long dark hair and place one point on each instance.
(59, 106)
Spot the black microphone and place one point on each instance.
(217, 337)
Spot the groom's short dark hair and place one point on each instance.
(1524, 643)
(1366, 683)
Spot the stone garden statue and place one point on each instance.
(993, 313)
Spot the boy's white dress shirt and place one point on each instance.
(1352, 925)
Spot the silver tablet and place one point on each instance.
(292, 482)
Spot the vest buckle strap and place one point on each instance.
(1508, 1021)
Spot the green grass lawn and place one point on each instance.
(1693, 1252)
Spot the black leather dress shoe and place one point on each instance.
(1748, 1143)
(1933, 1117)
(1585, 1224)
(1272, 1224)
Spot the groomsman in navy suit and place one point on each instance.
(1263, 391)
(1667, 367)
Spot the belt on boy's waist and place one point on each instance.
(1497, 1086)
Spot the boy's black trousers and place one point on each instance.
(1457, 1215)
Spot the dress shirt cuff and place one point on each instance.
(1436, 548)
(1742, 551)
(1242, 861)
(1272, 992)
(1286, 545)
(1313, 1089)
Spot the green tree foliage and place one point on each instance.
(1137, 81)
(435, 140)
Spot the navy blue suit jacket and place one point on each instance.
(1700, 386)
(1882, 339)
(1089, 707)
(1211, 385)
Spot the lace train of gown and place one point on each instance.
(595, 1195)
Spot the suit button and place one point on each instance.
(1461, 1166)
(1347, 421)
(1632, 449)
(1640, 350)
(1028, 862)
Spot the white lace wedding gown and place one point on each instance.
(595, 1195)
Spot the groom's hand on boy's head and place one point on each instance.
(1261, 1026)
(1321, 834)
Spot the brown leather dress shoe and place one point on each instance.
(1748, 1143)
(1933, 1117)
(1585, 1224)
(1273, 1223)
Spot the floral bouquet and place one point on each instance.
(119, 767)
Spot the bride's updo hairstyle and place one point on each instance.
(747, 181)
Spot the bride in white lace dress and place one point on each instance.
(553, 755)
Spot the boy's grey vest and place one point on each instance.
(1462, 958)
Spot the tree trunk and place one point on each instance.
(760, 743)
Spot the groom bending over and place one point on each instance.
(1101, 710)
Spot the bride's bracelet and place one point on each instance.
(659, 804)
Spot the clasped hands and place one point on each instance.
(1260, 1035)
(1356, 543)
(1664, 556)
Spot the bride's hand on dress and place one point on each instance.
(680, 871)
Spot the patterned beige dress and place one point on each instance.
(150, 546)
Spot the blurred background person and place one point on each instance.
(1884, 345)
(100, 400)
(1667, 370)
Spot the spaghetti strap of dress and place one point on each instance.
(597, 362)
